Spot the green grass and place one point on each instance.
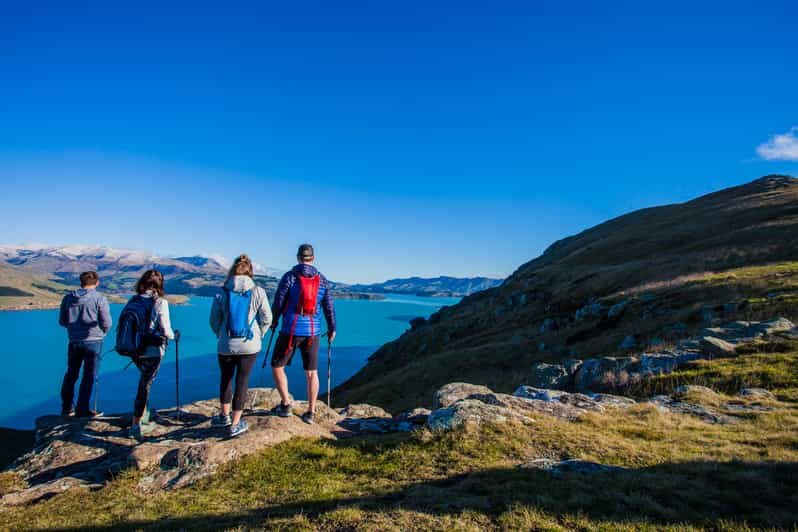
(772, 365)
(684, 475)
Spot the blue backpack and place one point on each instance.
(238, 324)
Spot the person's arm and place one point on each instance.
(63, 313)
(264, 314)
(328, 306)
(217, 315)
(280, 298)
(104, 315)
(165, 321)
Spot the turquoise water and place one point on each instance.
(35, 356)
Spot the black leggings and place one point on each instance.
(149, 369)
(228, 364)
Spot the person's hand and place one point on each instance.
(330, 337)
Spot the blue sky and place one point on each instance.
(400, 138)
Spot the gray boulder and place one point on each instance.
(553, 376)
(617, 309)
(469, 412)
(706, 414)
(717, 347)
(363, 411)
(617, 401)
(590, 310)
(549, 324)
(538, 394)
(456, 391)
(628, 343)
(417, 416)
(757, 393)
(774, 326)
(657, 363)
(597, 374)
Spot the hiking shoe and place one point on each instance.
(239, 429)
(88, 414)
(221, 420)
(283, 410)
(307, 417)
(135, 432)
(67, 412)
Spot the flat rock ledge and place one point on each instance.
(74, 453)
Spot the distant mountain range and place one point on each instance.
(34, 276)
(435, 287)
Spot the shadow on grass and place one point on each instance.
(695, 493)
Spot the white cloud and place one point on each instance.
(218, 257)
(780, 147)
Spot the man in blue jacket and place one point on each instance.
(87, 318)
(302, 295)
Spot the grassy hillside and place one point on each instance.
(670, 270)
(21, 289)
(684, 474)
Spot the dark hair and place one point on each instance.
(151, 280)
(89, 278)
(241, 266)
(305, 252)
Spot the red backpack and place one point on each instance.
(306, 305)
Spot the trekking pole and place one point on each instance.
(97, 379)
(329, 369)
(266, 358)
(177, 373)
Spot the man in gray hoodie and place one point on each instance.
(87, 318)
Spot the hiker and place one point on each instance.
(87, 318)
(240, 317)
(300, 294)
(152, 309)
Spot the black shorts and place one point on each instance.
(308, 346)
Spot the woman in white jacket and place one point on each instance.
(150, 289)
(238, 352)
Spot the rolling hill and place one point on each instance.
(20, 289)
(435, 287)
(645, 279)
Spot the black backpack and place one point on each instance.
(133, 332)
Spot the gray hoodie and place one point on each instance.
(259, 307)
(85, 314)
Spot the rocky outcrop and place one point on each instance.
(612, 373)
(75, 453)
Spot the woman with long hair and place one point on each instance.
(240, 317)
(150, 295)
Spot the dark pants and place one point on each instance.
(241, 367)
(85, 353)
(149, 369)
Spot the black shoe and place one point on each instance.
(88, 414)
(67, 412)
(307, 417)
(283, 410)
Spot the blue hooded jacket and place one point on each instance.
(286, 301)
